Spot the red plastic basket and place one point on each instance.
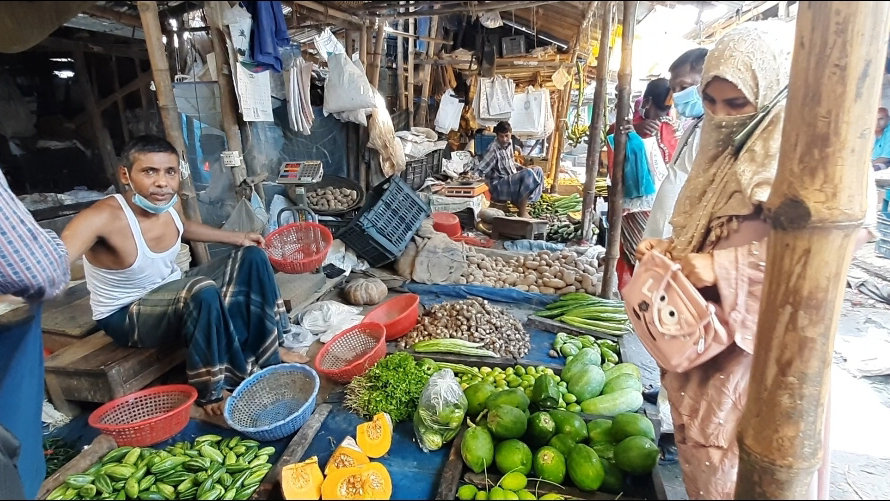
(397, 315)
(298, 247)
(352, 352)
(146, 417)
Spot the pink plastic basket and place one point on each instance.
(352, 352)
(299, 247)
(146, 417)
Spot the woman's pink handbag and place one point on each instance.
(672, 319)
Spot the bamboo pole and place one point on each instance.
(565, 96)
(363, 48)
(228, 100)
(815, 210)
(411, 69)
(379, 40)
(594, 140)
(493, 7)
(622, 115)
(425, 88)
(151, 26)
(144, 96)
(100, 133)
(400, 68)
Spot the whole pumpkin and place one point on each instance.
(365, 291)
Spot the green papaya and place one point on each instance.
(513, 455)
(628, 424)
(477, 394)
(622, 382)
(624, 368)
(599, 431)
(570, 424)
(506, 422)
(637, 455)
(550, 464)
(628, 400)
(585, 468)
(477, 449)
(541, 429)
(563, 443)
(514, 397)
(613, 478)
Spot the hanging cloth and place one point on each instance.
(21, 388)
(267, 34)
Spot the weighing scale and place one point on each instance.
(298, 175)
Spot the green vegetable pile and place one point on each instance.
(557, 447)
(393, 386)
(58, 453)
(589, 312)
(209, 468)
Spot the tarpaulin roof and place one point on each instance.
(25, 24)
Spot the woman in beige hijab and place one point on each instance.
(719, 239)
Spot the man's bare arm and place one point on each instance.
(84, 231)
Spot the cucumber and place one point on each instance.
(612, 404)
(625, 368)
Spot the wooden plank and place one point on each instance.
(75, 319)
(121, 108)
(53, 342)
(138, 83)
(101, 445)
(454, 468)
(100, 133)
(153, 366)
(120, 50)
(293, 453)
(67, 356)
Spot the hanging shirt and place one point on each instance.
(267, 33)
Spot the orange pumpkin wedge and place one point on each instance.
(370, 481)
(375, 437)
(302, 480)
(347, 455)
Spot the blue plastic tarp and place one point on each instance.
(490, 293)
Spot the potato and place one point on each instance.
(589, 270)
(532, 288)
(523, 288)
(568, 276)
(566, 290)
(462, 280)
(554, 283)
(547, 276)
(546, 290)
(532, 265)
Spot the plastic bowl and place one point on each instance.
(398, 315)
(447, 223)
(352, 352)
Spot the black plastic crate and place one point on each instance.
(513, 46)
(335, 225)
(389, 219)
(417, 170)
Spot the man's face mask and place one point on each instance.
(689, 103)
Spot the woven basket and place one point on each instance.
(273, 403)
(352, 352)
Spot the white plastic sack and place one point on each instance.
(532, 116)
(448, 116)
(491, 20)
(500, 96)
(326, 319)
(327, 44)
(344, 258)
(347, 88)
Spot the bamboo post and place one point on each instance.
(557, 141)
(363, 47)
(425, 88)
(151, 26)
(595, 140)
(411, 48)
(121, 109)
(622, 113)
(228, 100)
(100, 133)
(815, 210)
(400, 69)
(379, 40)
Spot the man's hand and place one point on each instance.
(250, 240)
(650, 244)
(699, 269)
(647, 127)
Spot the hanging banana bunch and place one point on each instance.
(577, 132)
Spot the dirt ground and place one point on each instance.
(860, 448)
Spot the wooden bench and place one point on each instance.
(67, 319)
(96, 369)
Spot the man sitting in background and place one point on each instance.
(228, 312)
(880, 154)
(506, 179)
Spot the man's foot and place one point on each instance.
(290, 357)
(668, 449)
(651, 396)
(524, 214)
(212, 413)
(217, 408)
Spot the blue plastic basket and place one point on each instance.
(884, 225)
(882, 248)
(273, 403)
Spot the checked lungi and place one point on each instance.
(228, 313)
(528, 182)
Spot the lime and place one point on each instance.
(514, 481)
(467, 492)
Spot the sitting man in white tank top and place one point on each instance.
(228, 312)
